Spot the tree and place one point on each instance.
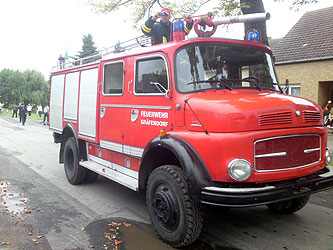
(118, 48)
(88, 49)
(142, 9)
(27, 87)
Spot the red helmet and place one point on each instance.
(166, 11)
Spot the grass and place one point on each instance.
(33, 116)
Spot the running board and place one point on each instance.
(122, 175)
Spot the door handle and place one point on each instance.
(102, 112)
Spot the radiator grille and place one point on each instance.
(287, 152)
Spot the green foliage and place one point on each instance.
(28, 87)
(118, 48)
(88, 49)
(141, 9)
(144, 8)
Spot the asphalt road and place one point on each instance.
(39, 209)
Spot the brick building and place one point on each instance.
(305, 56)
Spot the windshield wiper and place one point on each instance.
(221, 82)
(253, 80)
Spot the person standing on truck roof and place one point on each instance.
(161, 32)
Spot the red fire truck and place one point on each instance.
(191, 122)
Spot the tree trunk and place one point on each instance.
(255, 6)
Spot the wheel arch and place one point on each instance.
(69, 131)
(173, 150)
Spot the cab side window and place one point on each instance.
(113, 78)
(151, 76)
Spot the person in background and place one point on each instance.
(29, 109)
(39, 110)
(23, 114)
(20, 111)
(161, 32)
(326, 113)
(15, 108)
(46, 114)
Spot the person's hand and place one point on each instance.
(156, 16)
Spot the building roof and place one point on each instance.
(311, 38)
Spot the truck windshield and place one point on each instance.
(203, 67)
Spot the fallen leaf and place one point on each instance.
(91, 246)
(117, 242)
(83, 229)
(5, 243)
(34, 240)
(39, 236)
(127, 224)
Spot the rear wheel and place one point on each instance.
(75, 173)
(289, 206)
(175, 216)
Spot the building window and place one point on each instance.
(113, 78)
(294, 89)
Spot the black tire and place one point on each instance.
(91, 176)
(175, 216)
(289, 206)
(75, 173)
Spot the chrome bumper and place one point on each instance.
(256, 196)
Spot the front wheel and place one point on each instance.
(289, 206)
(175, 216)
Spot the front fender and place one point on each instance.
(196, 173)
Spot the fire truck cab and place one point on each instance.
(201, 121)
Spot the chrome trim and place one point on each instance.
(135, 106)
(283, 169)
(307, 151)
(89, 137)
(127, 171)
(121, 148)
(70, 120)
(100, 161)
(111, 146)
(328, 174)
(113, 173)
(271, 155)
(237, 190)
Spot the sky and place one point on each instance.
(35, 32)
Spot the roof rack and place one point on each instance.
(140, 41)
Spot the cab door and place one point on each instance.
(150, 107)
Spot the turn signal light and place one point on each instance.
(163, 132)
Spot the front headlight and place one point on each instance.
(239, 169)
(328, 156)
